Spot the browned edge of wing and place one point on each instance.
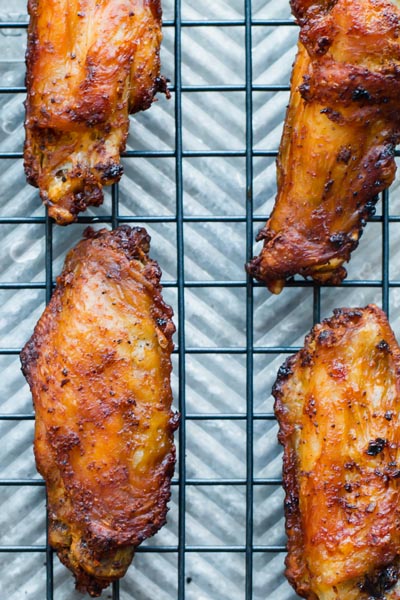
(275, 276)
(31, 166)
(303, 9)
(159, 82)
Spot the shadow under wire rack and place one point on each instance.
(200, 175)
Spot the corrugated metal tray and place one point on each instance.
(200, 176)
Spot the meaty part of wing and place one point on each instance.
(98, 365)
(338, 405)
(340, 132)
(89, 64)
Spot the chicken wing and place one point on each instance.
(98, 365)
(89, 64)
(338, 405)
(337, 149)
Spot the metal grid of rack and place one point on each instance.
(181, 284)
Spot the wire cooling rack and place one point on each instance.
(221, 388)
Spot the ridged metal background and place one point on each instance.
(225, 534)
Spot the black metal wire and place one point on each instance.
(49, 289)
(115, 223)
(181, 302)
(162, 549)
(249, 350)
(249, 307)
(175, 482)
(189, 88)
(187, 23)
(271, 153)
(357, 283)
(386, 284)
(166, 219)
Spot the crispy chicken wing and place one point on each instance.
(89, 64)
(337, 149)
(338, 406)
(98, 365)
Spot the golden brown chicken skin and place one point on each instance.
(338, 404)
(98, 365)
(340, 132)
(89, 64)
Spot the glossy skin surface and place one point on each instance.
(338, 404)
(337, 149)
(89, 64)
(98, 365)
